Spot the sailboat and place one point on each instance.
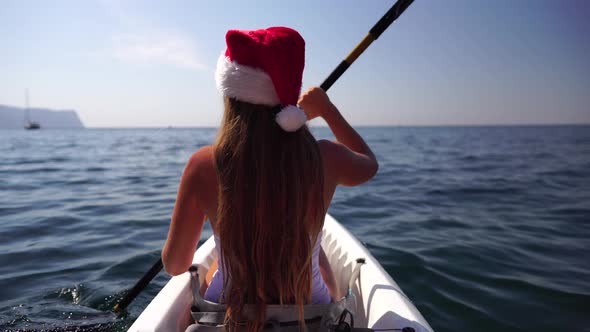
(29, 125)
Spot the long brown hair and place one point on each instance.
(271, 210)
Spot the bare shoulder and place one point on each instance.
(345, 166)
(200, 178)
(200, 164)
(202, 155)
(326, 145)
(331, 151)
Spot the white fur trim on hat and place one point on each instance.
(245, 83)
(291, 118)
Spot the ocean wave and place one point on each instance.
(484, 229)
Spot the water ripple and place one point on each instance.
(484, 228)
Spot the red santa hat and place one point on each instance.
(265, 67)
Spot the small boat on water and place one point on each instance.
(29, 125)
(32, 125)
(380, 302)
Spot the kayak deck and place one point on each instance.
(380, 303)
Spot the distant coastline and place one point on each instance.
(12, 117)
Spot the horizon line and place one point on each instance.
(552, 124)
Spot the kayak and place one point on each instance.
(379, 301)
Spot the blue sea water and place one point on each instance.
(484, 228)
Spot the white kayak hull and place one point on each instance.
(381, 304)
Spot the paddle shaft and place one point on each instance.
(392, 14)
(139, 286)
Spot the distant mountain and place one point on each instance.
(13, 118)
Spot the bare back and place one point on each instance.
(348, 161)
(206, 187)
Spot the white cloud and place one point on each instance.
(157, 48)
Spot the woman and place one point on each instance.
(266, 183)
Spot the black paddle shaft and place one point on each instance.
(392, 14)
(139, 286)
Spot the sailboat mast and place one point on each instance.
(27, 120)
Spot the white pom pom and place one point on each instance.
(291, 118)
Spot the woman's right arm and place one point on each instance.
(354, 162)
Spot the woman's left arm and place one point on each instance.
(187, 219)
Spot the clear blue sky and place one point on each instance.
(150, 63)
